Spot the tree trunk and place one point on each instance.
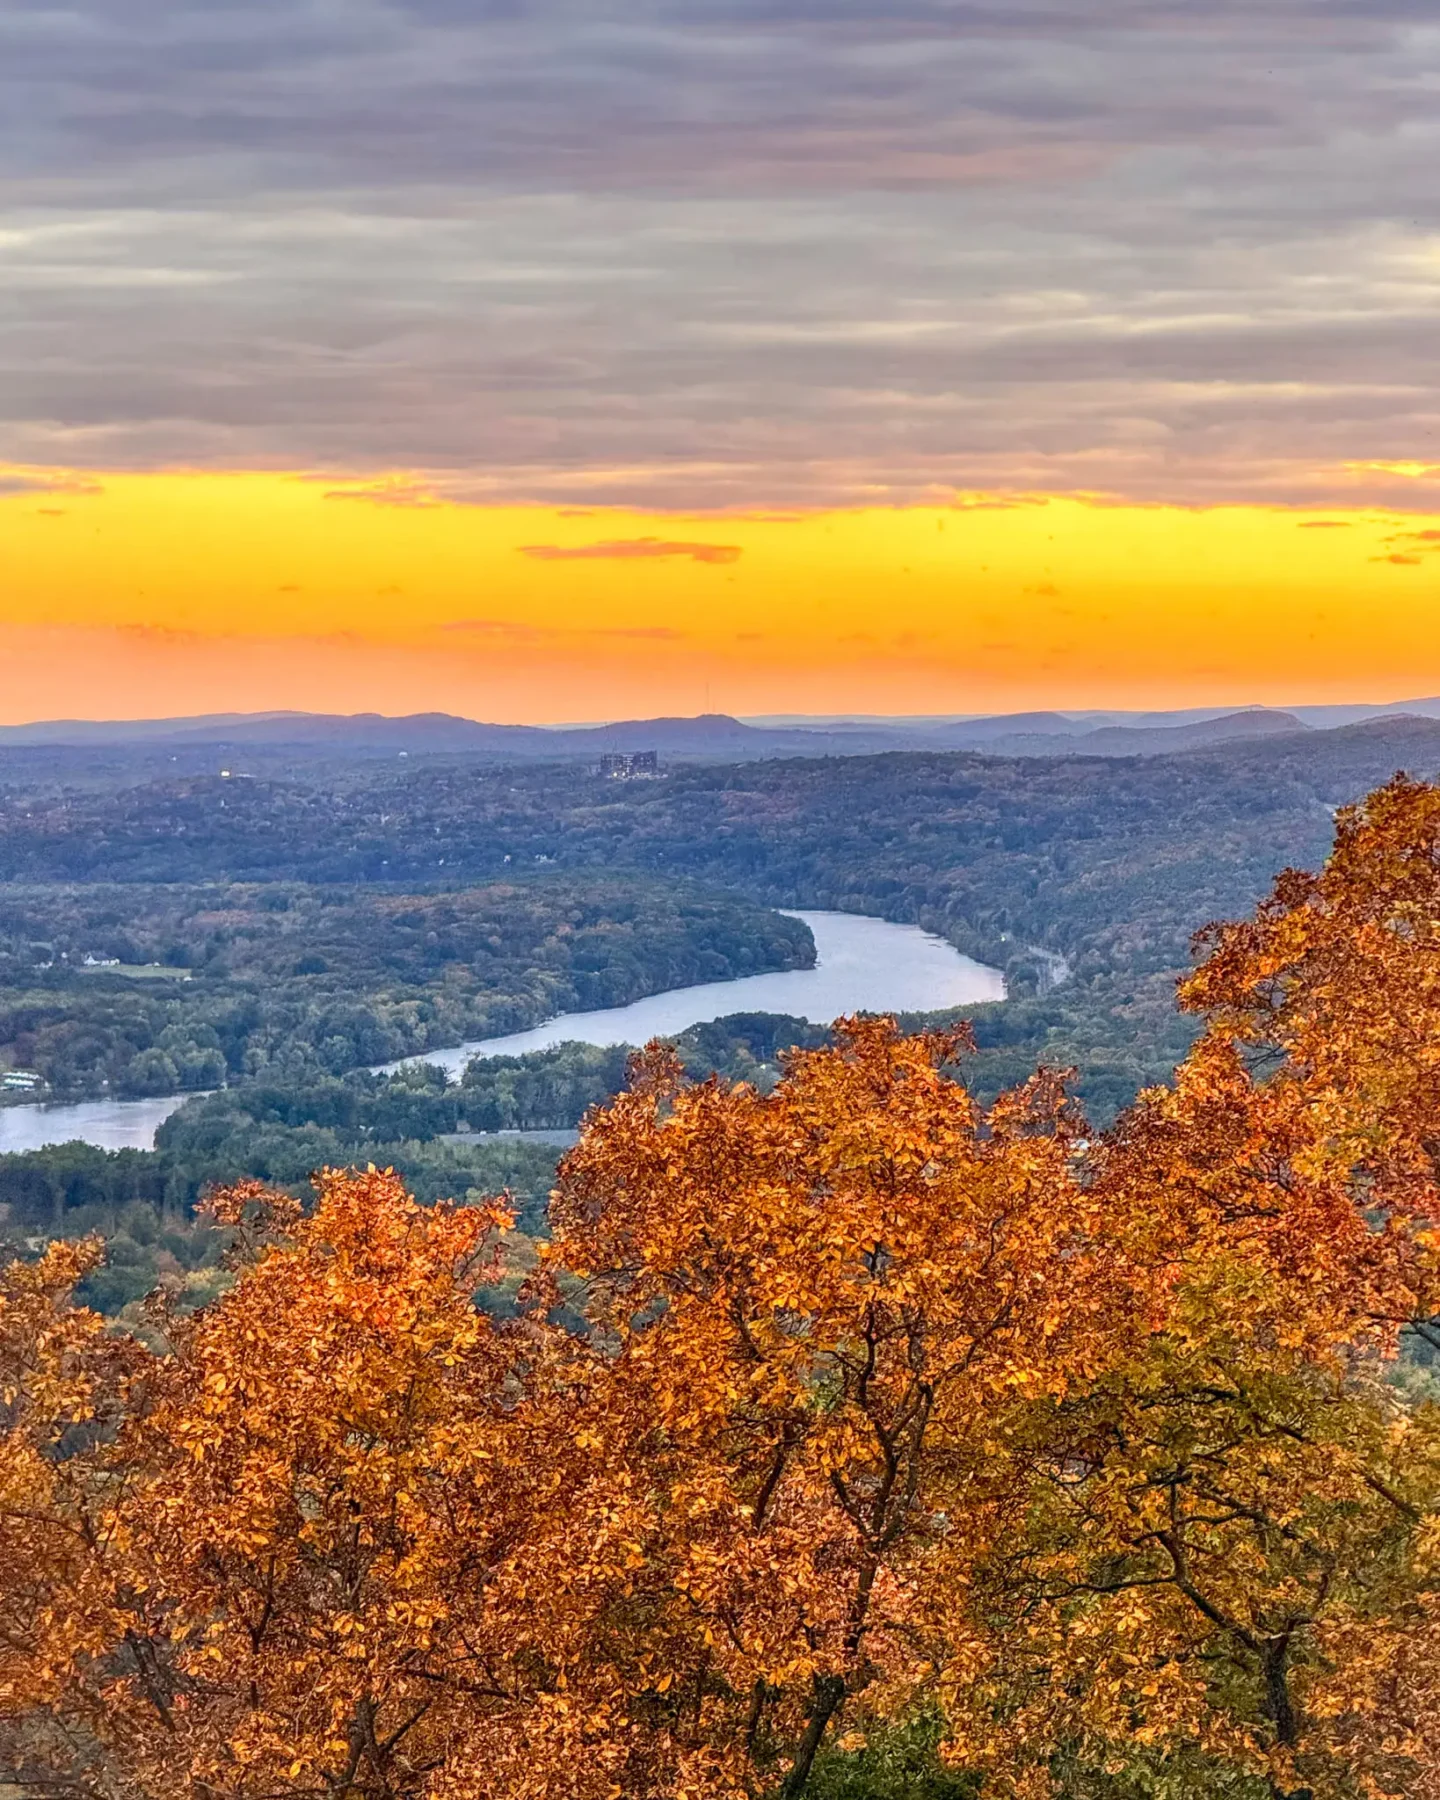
(829, 1692)
(1281, 1708)
(1277, 1694)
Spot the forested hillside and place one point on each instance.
(287, 986)
(1099, 856)
(1112, 863)
(221, 981)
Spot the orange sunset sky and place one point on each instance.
(762, 356)
(123, 594)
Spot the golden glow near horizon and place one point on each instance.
(149, 594)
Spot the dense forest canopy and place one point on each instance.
(822, 831)
(853, 1432)
(975, 838)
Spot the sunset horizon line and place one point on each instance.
(1160, 715)
(252, 592)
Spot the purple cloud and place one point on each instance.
(727, 254)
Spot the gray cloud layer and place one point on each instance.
(727, 252)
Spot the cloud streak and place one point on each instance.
(517, 632)
(644, 549)
(45, 481)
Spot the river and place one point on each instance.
(862, 965)
(111, 1124)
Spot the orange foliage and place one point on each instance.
(1231, 1557)
(873, 1400)
(51, 1388)
(830, 1311)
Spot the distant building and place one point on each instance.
(21, 1081)
(634, 765)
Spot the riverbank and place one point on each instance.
(862, 965)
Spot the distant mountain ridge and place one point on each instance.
(708, 737)
(1154, 740)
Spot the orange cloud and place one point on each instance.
(510, 629)
(624, 549)
(517, 630)
(1412, 471)
(45, 481)
(397, 491)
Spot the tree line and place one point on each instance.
(852, 1420)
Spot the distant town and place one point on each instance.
(635, 765)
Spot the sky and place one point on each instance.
(566, 361)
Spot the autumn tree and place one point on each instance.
(1230, 1570)
(64, 1388)
(295, 1575)
(1330, 996)
(353, 1538)
(831, 1313)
